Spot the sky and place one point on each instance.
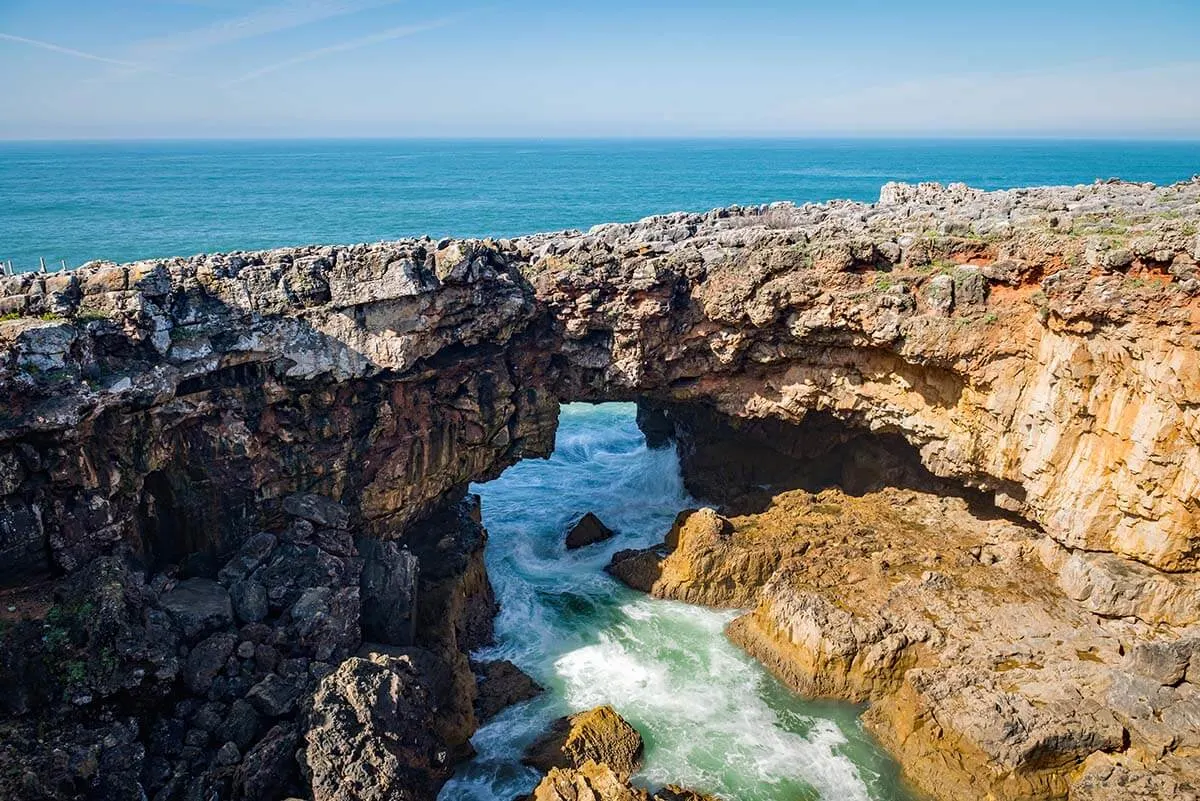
(129, 69)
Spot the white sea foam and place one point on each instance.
(711, 717)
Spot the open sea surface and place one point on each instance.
(76, 201)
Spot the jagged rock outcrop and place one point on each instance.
(502, 684)
(589, 756)
(597, 735)
(1036, 348)
(172, 406)
(176, 688)
(599, 782)
(982, 677)
(373, 730)
(1036, 344)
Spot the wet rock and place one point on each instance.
(599, 735)
(502, 684)
(198, 606)
(637, 568)
(587, 531)
(673, 792)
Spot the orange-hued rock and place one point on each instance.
(983, 678)
(588, 782)
(599, 782)
(598, 735)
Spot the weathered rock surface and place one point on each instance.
(598, 782)
(598, 735)
(169, 689)
(1036, 346)
(372, 731)
(502, 684)
(588, 530)
(982, 677)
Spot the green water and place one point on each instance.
(712, 718)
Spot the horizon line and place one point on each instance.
(949, 137)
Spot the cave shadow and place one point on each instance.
(742, 464)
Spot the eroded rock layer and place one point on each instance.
(982, 677)
(1033, 350)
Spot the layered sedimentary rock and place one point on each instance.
(1037, 344)
(1035, 349)
(982, 677)
(169, 407)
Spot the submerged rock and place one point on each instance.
(587, 531)
(502, 684)
(598, 735)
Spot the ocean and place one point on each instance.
(72, 202)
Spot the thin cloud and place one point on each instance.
(69, 51)
(354, 44)
(263, 22)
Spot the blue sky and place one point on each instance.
(250, 68)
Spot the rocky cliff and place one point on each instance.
(1034, 349)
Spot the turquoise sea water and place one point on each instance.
(712, 718)
(124, 201)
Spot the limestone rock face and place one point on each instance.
(995, 333)
(1038, 345)
(982, 677)
(598, 782)
(1036, 348)
(352, 374)
(588, 782)
(588, 530)
(597, 735)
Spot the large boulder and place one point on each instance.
(588, 782)
(594, 781)
(588, 530)
(198, 606)
(372, 732)
(599, 735)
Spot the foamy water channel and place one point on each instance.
(712, 718)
